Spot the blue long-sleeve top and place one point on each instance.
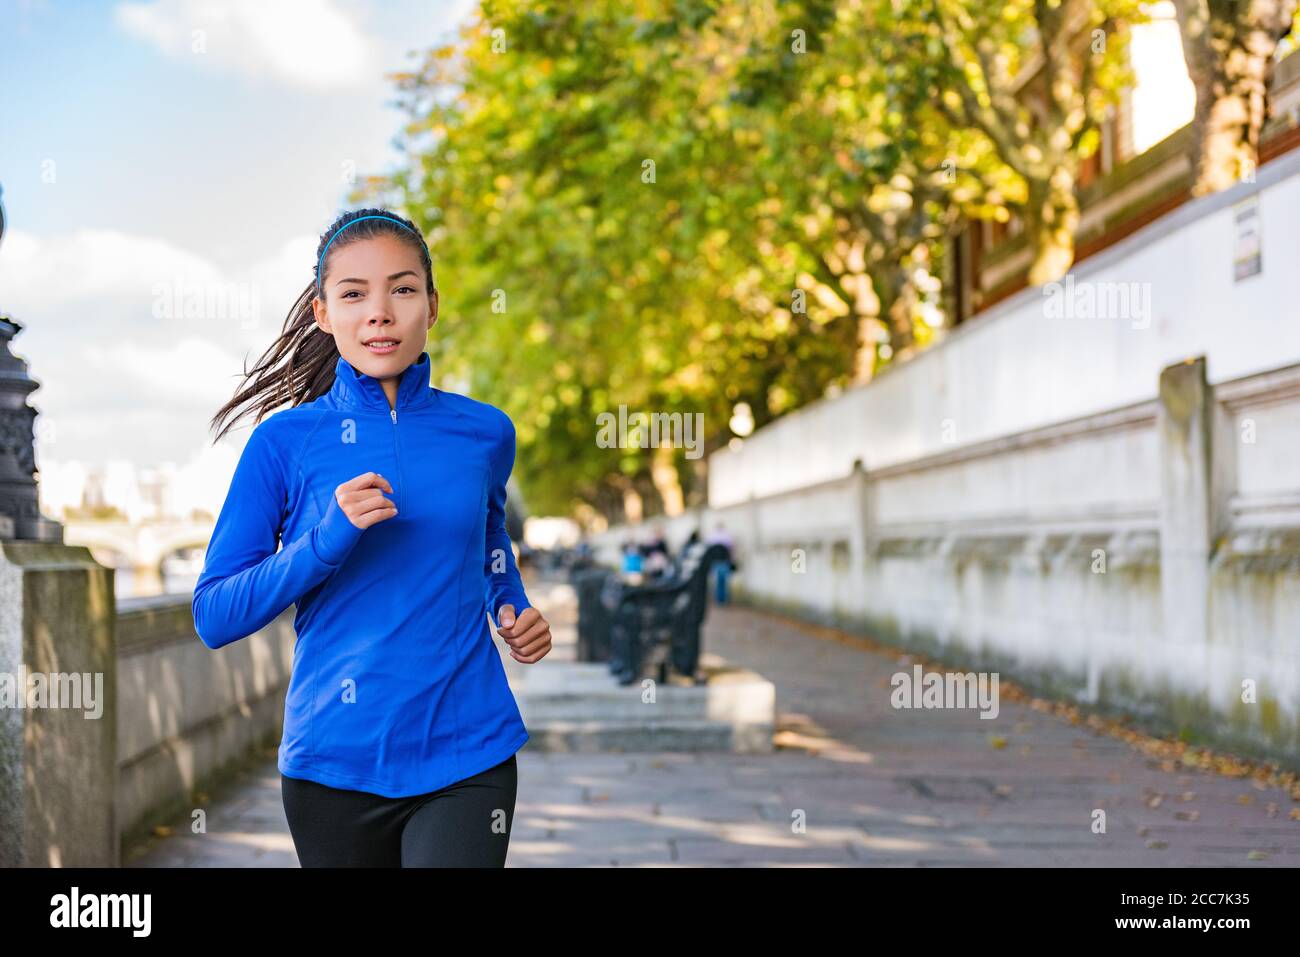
(397, 687)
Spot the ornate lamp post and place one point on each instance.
(20, 516)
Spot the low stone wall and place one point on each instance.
(189, 715)
(1142, 560)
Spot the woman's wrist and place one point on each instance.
(335, 535)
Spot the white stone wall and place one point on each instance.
(1013, 369)
(1072, 501)
(1041, 554)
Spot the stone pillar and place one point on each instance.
(1186, 422)
(58, 757)
(752, 549)
(862, 536)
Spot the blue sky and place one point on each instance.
(179, 141)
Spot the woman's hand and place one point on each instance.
(529, 636)
(363, 502)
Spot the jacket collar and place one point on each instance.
(354, 389)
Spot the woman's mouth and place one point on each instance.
(381, 347)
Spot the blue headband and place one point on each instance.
(321, 261)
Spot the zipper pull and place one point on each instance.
(394, 414)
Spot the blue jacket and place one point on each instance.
(397, 685)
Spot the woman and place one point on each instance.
(388, 496)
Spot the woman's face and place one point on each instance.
(375, 305)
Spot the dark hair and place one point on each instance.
(299, 365)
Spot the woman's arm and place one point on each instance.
(504, 586)
(245, 583)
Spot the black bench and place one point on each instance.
(655, 625)
(588, 580)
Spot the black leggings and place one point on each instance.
(466, 824)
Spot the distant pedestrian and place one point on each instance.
(632, 561)
(725, 564)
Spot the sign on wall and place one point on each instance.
(1247, 256)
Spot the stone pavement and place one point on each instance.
(855, 782)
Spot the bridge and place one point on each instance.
(138, 546)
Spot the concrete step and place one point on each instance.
(580, 706)
(616, 736)
(630, 706)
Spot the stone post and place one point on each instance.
(1186, 423)
(862, 535)
(58, 753)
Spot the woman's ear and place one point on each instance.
(322, 317)
(433, 309)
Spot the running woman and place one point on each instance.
(387, 497)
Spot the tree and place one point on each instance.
(1035, 76)
(667, 206)
(874, 179)
(1229, 47)
(589, 201)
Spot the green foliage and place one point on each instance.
(627, 199)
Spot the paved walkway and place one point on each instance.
(854, 783)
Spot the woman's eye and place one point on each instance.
(357, 292)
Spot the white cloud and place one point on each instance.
(114, 378)
(286, 274)
(184, 372)
(92, 264)
(102, 267)
(310, 44)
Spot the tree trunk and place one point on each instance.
(897, 314)
(698, 495)
(864, 363)
(1230, 63)
(663, 472)
(1052, 220)
(633, 505)
(870, 326)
